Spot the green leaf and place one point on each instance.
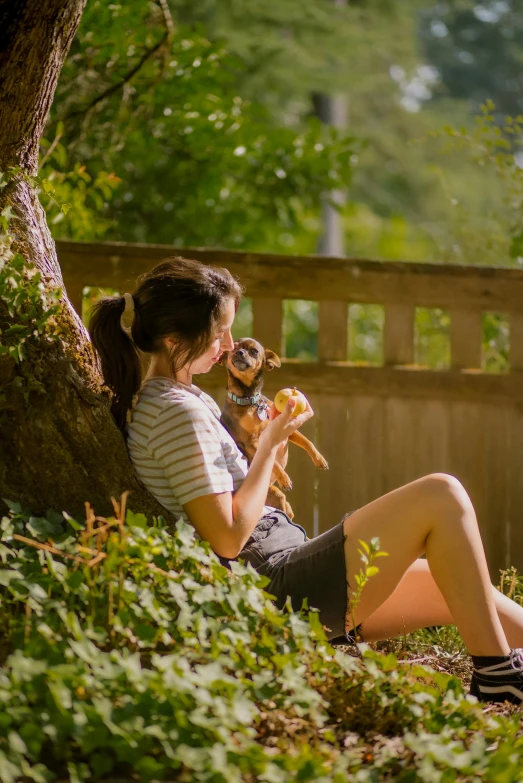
(16, 743)
(7, 575)
(136, 520)
(42, 528)
(78, 772)
(16, 508)
(9, 772)
(72, 522)
(75, 579)
(16, 329)
(150, 769)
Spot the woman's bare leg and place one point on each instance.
(417, 602)
(435, 516)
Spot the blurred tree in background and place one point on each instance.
(477, 50)
(150, 96)
(194, 124)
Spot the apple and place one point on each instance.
(280, 401)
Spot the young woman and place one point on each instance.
(183, 313)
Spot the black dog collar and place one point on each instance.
(245, 400)
(261, 406)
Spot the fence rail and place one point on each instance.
(379, 427)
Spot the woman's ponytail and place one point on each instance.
(119, 358)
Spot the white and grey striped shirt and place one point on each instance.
(178, 446)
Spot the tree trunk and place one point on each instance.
(59, 446)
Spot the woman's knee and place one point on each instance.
(443, 489)
(435, 499)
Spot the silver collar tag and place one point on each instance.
(263, 411)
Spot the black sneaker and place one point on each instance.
(501, 682)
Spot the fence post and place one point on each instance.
(75, 292)
(398, 339)
(516, 341)
(333, 331)
(466, 337)
(267, 313)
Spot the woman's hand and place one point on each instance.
(282, 425)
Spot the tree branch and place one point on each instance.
(169, 23)
(118, 86)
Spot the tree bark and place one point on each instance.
(59, 446)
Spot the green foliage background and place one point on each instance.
(195, 125)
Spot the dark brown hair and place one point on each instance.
(179, 298)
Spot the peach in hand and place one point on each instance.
(280, 401)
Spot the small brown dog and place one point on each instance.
(245, 413)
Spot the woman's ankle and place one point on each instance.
(490, 651)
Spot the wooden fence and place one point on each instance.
(379, 427)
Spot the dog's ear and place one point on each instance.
(222, 361)
(271, 360)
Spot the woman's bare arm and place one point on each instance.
(226, 520)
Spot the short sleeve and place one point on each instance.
(186, 445)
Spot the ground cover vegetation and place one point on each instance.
(128, 651)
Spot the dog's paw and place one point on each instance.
(288, 510)
(284, 482)
(321, 462)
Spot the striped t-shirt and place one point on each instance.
(178, 446)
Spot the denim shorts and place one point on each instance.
(301, 569)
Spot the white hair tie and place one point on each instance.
(129, 303)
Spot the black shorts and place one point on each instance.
(301, 569)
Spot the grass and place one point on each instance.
(442, 648)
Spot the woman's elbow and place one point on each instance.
(230, 551)
(227, 555)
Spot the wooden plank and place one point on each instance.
(430, 423)
(335, 498)
(466, 337)
(117, 265)
(515, 494)
(75, 294)
(516, 341)
(333, 331)
(467, 452)
(342, 378)
(415, 440)
(365, 451)
(267, 315)
(398, 444)
(398, 339)
(495, 422)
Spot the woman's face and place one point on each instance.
(222, 342)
